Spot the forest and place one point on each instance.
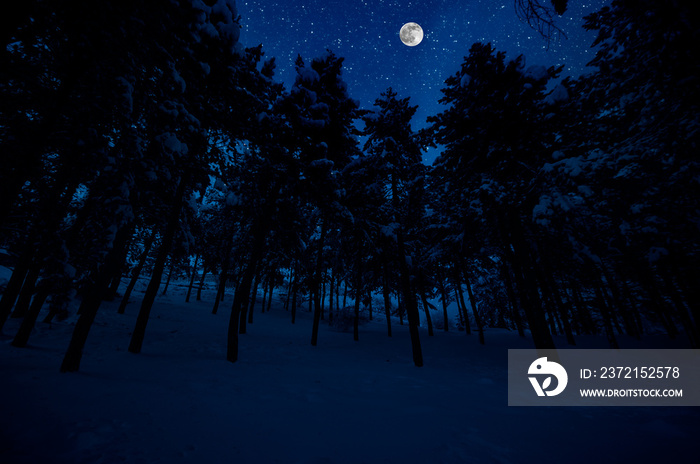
(142, 140)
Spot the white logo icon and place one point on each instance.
(542, 366)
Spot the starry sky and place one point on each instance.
(366, 34)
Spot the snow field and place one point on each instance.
(180, 401)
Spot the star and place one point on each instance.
(366, 34)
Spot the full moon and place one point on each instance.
(411, 34)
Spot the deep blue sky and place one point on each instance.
(366, 34)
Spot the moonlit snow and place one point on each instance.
(180, 401)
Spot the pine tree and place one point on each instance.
(495, 132)
(321, 115)
(395, 156)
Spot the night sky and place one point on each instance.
(366, 34)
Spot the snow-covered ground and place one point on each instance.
(288, 402)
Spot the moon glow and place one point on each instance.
(411, 34)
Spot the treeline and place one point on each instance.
(144, 136)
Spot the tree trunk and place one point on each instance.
(534, 312)
(264, 298)
(117, 279)
(243, 291)
(358, 297)
(475, 312)
(460, 311)
(345, 295)
(294, 299)
(92, 301)
(409, 299)
(29, 320)
(627, 317)
(158, 267)
(221, 288)
(27, 292)
(516, 251)
(513, 300)
(576, 326)
(240, 301)
(253, 298)
(323, 296)
(369, 306)
(634, 311)
(194, 272)
(223, 275)
(56, 306)
(201, 282)
(316, 284)
(686, 275)
(656, 299)
(681, 310)
(311, 298)
(607, 322)
(558, 313)
(562, 311)
(337, 294)
(555, 315)
(426, 307)
(269, 294)
(387, 297)
(170, 274)
(582, 311)
(330, 297)
(549, 316)
(460, 295)
(258, 232)
(289, 289)
(114, 284)
(15, 283)
(51, 209)
(443, 297)
(136, 272)
(609, 304)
